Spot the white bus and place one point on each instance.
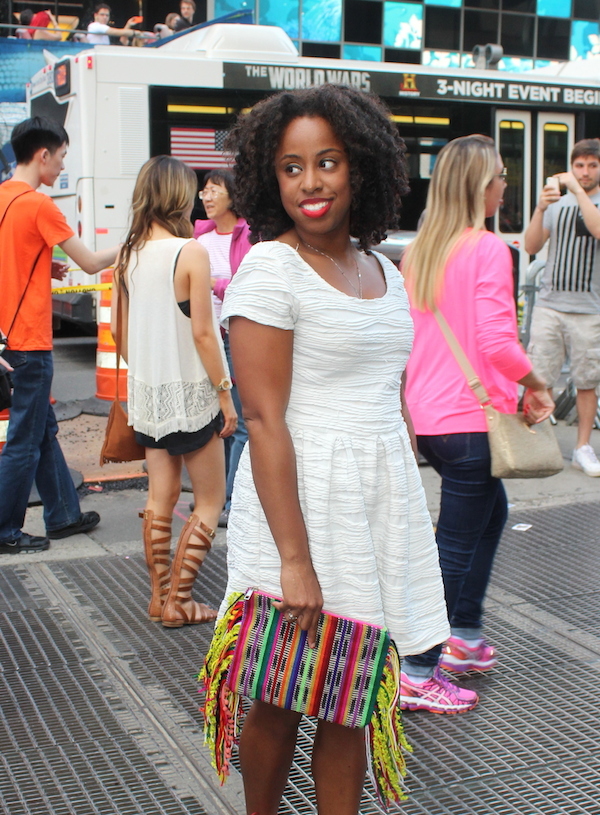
(122, 105)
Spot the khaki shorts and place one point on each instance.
(556, 335)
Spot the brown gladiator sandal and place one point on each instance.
(184, 570)
(158, 553)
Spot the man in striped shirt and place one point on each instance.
(566, 318)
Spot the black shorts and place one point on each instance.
(178, 444)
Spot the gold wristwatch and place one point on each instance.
(224, 385)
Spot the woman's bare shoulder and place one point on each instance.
(193, 254)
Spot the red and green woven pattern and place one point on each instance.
(337, 681)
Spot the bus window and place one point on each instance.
(556, 148)
(512, 149)
(421, 155)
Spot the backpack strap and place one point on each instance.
(18, 195)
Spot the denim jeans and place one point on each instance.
(473, 512)
(239, 438)
(32, 452)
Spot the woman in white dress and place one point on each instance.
(328, 510)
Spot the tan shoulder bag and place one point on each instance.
(518, 450)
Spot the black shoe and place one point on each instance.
(192, 506)
(26, 543)
(87, 521)
(224, 519)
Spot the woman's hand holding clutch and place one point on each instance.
(302, 598)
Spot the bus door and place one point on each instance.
(514, 140)
(555, 140)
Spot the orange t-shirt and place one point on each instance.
(32, 223)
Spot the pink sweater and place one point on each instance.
(477, 302)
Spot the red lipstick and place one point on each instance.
(315, 207)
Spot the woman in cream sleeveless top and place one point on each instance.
(179, 397)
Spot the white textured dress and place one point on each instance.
(369, 531)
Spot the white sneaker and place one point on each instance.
(585, 459)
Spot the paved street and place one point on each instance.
(99, 705)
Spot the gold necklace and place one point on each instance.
(357, 292)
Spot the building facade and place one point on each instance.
(533, 33)
(440, 33)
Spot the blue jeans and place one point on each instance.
(473, 512)
(32, 452)
(239, 438)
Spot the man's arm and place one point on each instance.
(90, 262)
(128, 31)
(590, 213)
(536, 234)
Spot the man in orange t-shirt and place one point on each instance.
(30, 226)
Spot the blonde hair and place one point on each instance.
(165, 188)
(455, 201)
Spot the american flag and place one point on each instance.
(199, 147)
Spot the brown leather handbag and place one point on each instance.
(119, 441)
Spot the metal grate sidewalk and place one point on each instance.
(98, 706)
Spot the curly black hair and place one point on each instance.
(376, 155)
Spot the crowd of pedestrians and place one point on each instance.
(43, 25)
(273, 326)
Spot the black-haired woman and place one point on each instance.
(328, 509)
(226, 238)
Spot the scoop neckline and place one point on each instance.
(339, 291)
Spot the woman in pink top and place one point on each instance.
(226, 238)
(456, 266)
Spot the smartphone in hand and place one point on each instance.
(552, 181)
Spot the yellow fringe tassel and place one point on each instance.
(385, 736)
(221, 706)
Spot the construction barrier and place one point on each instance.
(106, 353)
(4, 418)
(82, 289)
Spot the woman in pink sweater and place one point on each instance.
(457, 267)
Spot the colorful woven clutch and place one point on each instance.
(337, 681)
(351, 678)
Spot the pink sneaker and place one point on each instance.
(437, 695)
(458, 657)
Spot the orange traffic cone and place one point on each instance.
(4, 419)
(106, 353)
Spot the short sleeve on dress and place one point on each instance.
(262, 290)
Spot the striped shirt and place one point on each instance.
(571, 279)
